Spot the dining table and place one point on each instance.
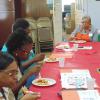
(83, 59)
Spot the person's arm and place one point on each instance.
(38, 57)
(35, 69)
(77, 29)
(94, 33)
(30, 97)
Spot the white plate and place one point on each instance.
(78, 41)
(51, 60)
(44, 82)
(62, 47)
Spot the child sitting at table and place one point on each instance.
(8, 79)
(19, 45)
(24, 24)
(32, 58)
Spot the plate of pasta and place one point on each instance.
(43, 82)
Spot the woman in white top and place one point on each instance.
(85, 31)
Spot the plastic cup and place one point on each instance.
(61, 62)
(75, 47)
(90, 34)
(90, 83)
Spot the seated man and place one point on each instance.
(85, 31)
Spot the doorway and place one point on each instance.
(68, 16)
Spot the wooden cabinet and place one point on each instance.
(35, 9)
(7, 17)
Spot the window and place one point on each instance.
(79, 4)
(50, 4)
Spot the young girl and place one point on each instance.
(24, 24)
(19, 45)
(8, 78)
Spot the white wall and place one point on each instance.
(94, 12)
(91, 8)
(57, 20)
(79, 12)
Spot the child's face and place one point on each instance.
(23, 53)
